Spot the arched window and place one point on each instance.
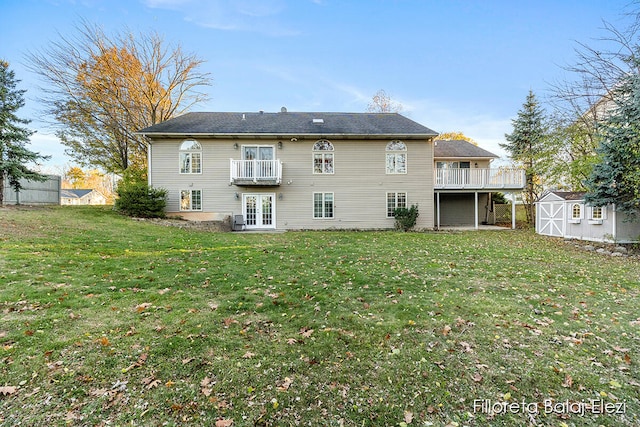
(396, 157)
(323, 157)
(576, 211)
(190, 157)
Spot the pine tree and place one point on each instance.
(14, 156)
(615, 179)
(528, 147)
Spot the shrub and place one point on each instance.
(137, 199)
(406, 218)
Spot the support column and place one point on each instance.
(513, 211)
(476, 209)
(438, 210)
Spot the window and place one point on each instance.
(190, 157)
(323, 157)
(396, 157)
(190, 200)
(576, 211)
(323, 205)
(597, 212)
(394, 201)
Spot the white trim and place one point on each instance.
(190, 200)
(313, 206)
(259, 224)
(406, 201)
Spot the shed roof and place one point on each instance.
(293, 124)
(448, 148)
(570, 195)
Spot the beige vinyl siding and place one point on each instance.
(359, 183)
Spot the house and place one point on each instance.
(295, 170)
(464, 182)
(565, 214)
(82, 197)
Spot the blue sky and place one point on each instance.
(453, 65)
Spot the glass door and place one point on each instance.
(258, 210)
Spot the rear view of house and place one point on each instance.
(291, 170)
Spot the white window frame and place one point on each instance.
(394, 151)
(187, 155)
(323, 213)
(395, 202)
(595, 218)
(324, 154)
(573, 218)
(191, 201)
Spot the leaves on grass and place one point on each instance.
(8, 390)
(224, 423)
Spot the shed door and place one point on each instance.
(551, 218)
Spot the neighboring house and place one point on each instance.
(565, 214)
(82, 197)
(464, 181)
(292, 170)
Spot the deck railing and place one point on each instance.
(479, 179)
(256, 171)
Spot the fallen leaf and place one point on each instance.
(285, 384)
(476, 377)
(7, 390)
(224, 423)
(306, 332)
(248, 355)
(568, 381)
(408, 417)
(142, 307)
(446, 330)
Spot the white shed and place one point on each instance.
(565, 214)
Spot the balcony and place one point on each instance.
(479, 179)
(256, 172)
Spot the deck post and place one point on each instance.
(438, 210)
(476, 210)
(513, 211)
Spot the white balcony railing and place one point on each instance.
(479, 179)
(257, 172)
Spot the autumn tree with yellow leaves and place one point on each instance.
(101, 90)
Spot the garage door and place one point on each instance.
(550, 218)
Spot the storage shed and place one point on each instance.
(565, 214)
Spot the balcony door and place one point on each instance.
(259, 210)
(263, 166)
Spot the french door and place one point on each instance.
(259, 210)
(262, 157)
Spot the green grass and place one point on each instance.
(109, 321)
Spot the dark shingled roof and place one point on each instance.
(446, 148)
(291, 124)
(73, 193)
(570, 195)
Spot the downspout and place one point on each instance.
(149, 171)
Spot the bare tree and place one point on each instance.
(100, 90)
(382, 103)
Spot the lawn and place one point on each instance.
(106, 320)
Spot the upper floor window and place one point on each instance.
(396, 157)
(323, 157)
(190, 157)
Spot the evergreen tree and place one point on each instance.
(615, 179)
(14, 156)
(528, 147)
